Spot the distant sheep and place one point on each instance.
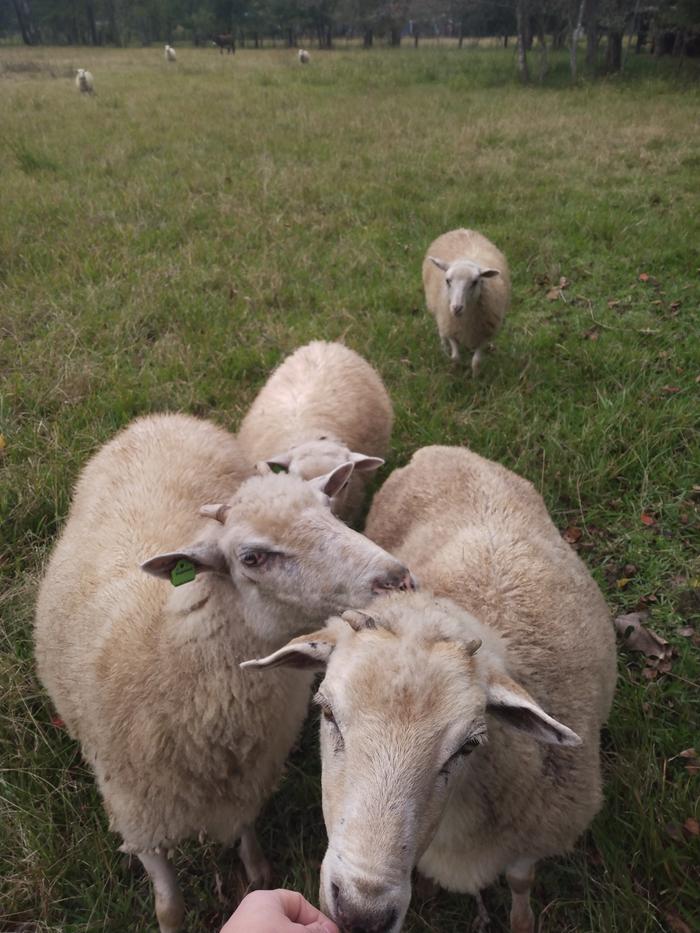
(170, 55)
(145, 674)
(224, 41)
(467, 290)
(84, 82)
(322, 406)
(460, 728)
(304, 57)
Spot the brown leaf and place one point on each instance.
(644, 277)
(553, 293)
(563, 282)
(675, 923)
(691, 826)
(592, 334)
(647, 519)
(688, 753)
(638, 638)
(670, 390)
(687, 631)
(613, 302)
(572, 534)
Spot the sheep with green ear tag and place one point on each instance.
(143, 666)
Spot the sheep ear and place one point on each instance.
(218, 512)
(364, 464)
(279, 463)
(515, 707)
(308, 652)
(205, 557)
(333, 482)
(488, 273)
(441, 264)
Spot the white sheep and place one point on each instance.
(145, 675)
(304, 57)
(170, 55)
(84, 81)
(467, 290)
(459, 735)
(322, 406)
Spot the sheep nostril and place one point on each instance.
(394, 581)
(408, 584)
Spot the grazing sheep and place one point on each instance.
(84, 82)
(170, 55)
(459, 734)
(224, 41)
(467, 290)
(322, 406)
(304, 57)
(146, 676)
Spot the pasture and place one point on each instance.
(166, 242)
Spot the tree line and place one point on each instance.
(595, 29)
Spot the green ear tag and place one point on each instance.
(182, 572)
(278, 468)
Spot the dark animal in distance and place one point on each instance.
(225, 42)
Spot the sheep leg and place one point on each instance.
(257, 867)
(450, 348)
(170, 907)
(520, 877)
(482, 921)
(476, 363)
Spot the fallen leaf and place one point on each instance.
(644, 277)
(629, 570)
(676, 923)
(613, 302)
(572, 534)
(3, 444)
(638, 638)
(592, 334)
(553, 293)
(647, 519)
(674, 306)
(622, 582)
(670, 390)
(687, 631)
(691, 826)
(563, 282)
(688, 753)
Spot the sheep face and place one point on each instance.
(318, 457)
(292, 562)
(463, 280)
(404, 707)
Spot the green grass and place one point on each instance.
(165, 243)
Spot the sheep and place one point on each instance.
(304, 57)
(170, 55)
(470, 299)
(84, 81)
(323, 405)
(145, 675)
(461, 723)
(225, 41)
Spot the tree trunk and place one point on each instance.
(416, 36)
(368, 38)
(90, 15)
(461, 36)
(544, 51)
(395, 36)
(614, 51)
(592, 34)
(521, 20)
(30, 34)
(505, 41)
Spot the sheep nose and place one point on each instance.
(457, 310)
(353, 919)
(403, 580)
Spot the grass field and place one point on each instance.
(165, 243)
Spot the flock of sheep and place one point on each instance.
(85, 82)
(468, 657)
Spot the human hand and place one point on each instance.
(277, 912)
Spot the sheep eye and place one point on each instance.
(327, 713)
(466, 749)
(448, 282)
(254, 558)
